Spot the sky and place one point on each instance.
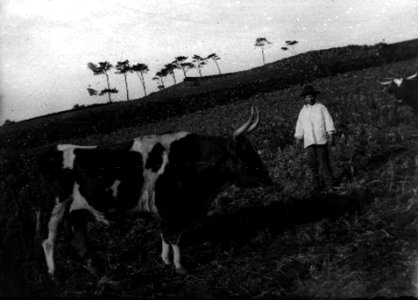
(45, 45)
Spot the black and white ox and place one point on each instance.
(404, 89)
(174, 176)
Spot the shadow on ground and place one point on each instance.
(237, 228)
(226, 231)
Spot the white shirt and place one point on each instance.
(313, 124)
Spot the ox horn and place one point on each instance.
(246, 126)
(412, 76)
(255, 123)
(386, 82)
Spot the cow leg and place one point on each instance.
(57, 215)
(78, 220)
(173, 241)
(177, 257)
(165, 251)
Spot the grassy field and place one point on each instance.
(261, 243)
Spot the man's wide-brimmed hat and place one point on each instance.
(309, 90)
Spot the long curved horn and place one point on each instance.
(386, 82)
(255, 123)
(245, 126)
(412, 76)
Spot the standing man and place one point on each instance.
(316, 128)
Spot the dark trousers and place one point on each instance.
(319, 164)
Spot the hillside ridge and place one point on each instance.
(318, 60)
(207, 92)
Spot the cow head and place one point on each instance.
(393, 87)
(245, 164)
(400, 87)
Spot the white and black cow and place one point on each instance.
(174, 176)
(404, 89)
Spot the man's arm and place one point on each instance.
(299, 127)
(299, 131)
(331, 140)
(329, 123)
(329, 126)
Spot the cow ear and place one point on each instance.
(231, 145)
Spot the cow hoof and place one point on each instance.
(212, 212)
(52, 278)
(91, 267)
(181, 271)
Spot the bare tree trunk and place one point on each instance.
(108, 87)
(217, 66)
(126, 84)
(143, 84)
(184, 72)
(142, 79)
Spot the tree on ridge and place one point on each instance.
(262, 42)
(103, 68)
(215, 57)
(169, 69)
(292, 44)
(124, 68)
(199, 62)
(141, 69)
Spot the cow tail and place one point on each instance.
(39, 212)
(38, 224)
(48, 167)
(43, 199)
(41, 223)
